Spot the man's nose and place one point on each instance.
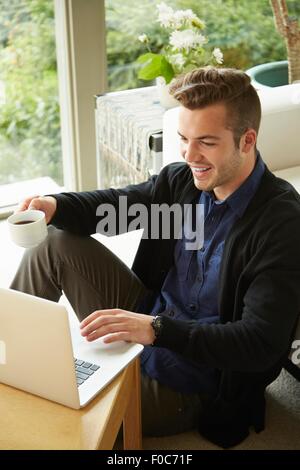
(190, 152)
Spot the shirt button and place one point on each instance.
(192, 307)
(171, 313)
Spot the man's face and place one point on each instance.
(209, 149)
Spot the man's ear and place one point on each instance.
(248, 140)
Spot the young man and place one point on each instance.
(216, 322)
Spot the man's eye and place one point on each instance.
(208, 144)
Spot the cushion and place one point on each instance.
(278, 138)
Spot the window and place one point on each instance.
(33, 141)
(30, 144)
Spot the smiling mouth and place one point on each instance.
(200, 171)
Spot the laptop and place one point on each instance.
(41, 354)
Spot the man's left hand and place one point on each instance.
(119, 325)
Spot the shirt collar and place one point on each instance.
(240, 198)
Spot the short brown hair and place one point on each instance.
(211, 85)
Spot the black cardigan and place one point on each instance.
(259, 297)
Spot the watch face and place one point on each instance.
(159, 322)
(157, 326)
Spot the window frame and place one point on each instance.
(81, 66)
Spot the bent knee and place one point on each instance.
(64, 241)
(57, 241)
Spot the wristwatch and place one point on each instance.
(157, 327)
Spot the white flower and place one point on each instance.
(178, 60)
(184, 15)
(143, 38)
(185, 49)
(218, 55)
(186, 39)
(168, 18)
(165, 15)
(176, 21)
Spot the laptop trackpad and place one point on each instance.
(98, 350)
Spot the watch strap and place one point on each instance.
(157, 325)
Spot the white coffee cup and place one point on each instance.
(27, 228)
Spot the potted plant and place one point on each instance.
(185, 50)
(286, 71)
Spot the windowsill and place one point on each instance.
(6, 211)
(12, 194)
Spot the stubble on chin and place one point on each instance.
(203, 186)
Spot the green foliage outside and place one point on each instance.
(29, 117)
(243, 29)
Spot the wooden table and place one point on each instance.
(30, 422)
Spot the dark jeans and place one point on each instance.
(93, 278)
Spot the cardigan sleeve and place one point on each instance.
(77, 211)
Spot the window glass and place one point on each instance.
(30, 145)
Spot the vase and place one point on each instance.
(166, 100)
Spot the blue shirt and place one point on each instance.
(190, 290)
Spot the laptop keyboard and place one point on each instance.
(84, 370)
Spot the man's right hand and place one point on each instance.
(47, 204)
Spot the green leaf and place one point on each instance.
(155, 65)
(152, 66)
(145, 57)
(167, 70)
